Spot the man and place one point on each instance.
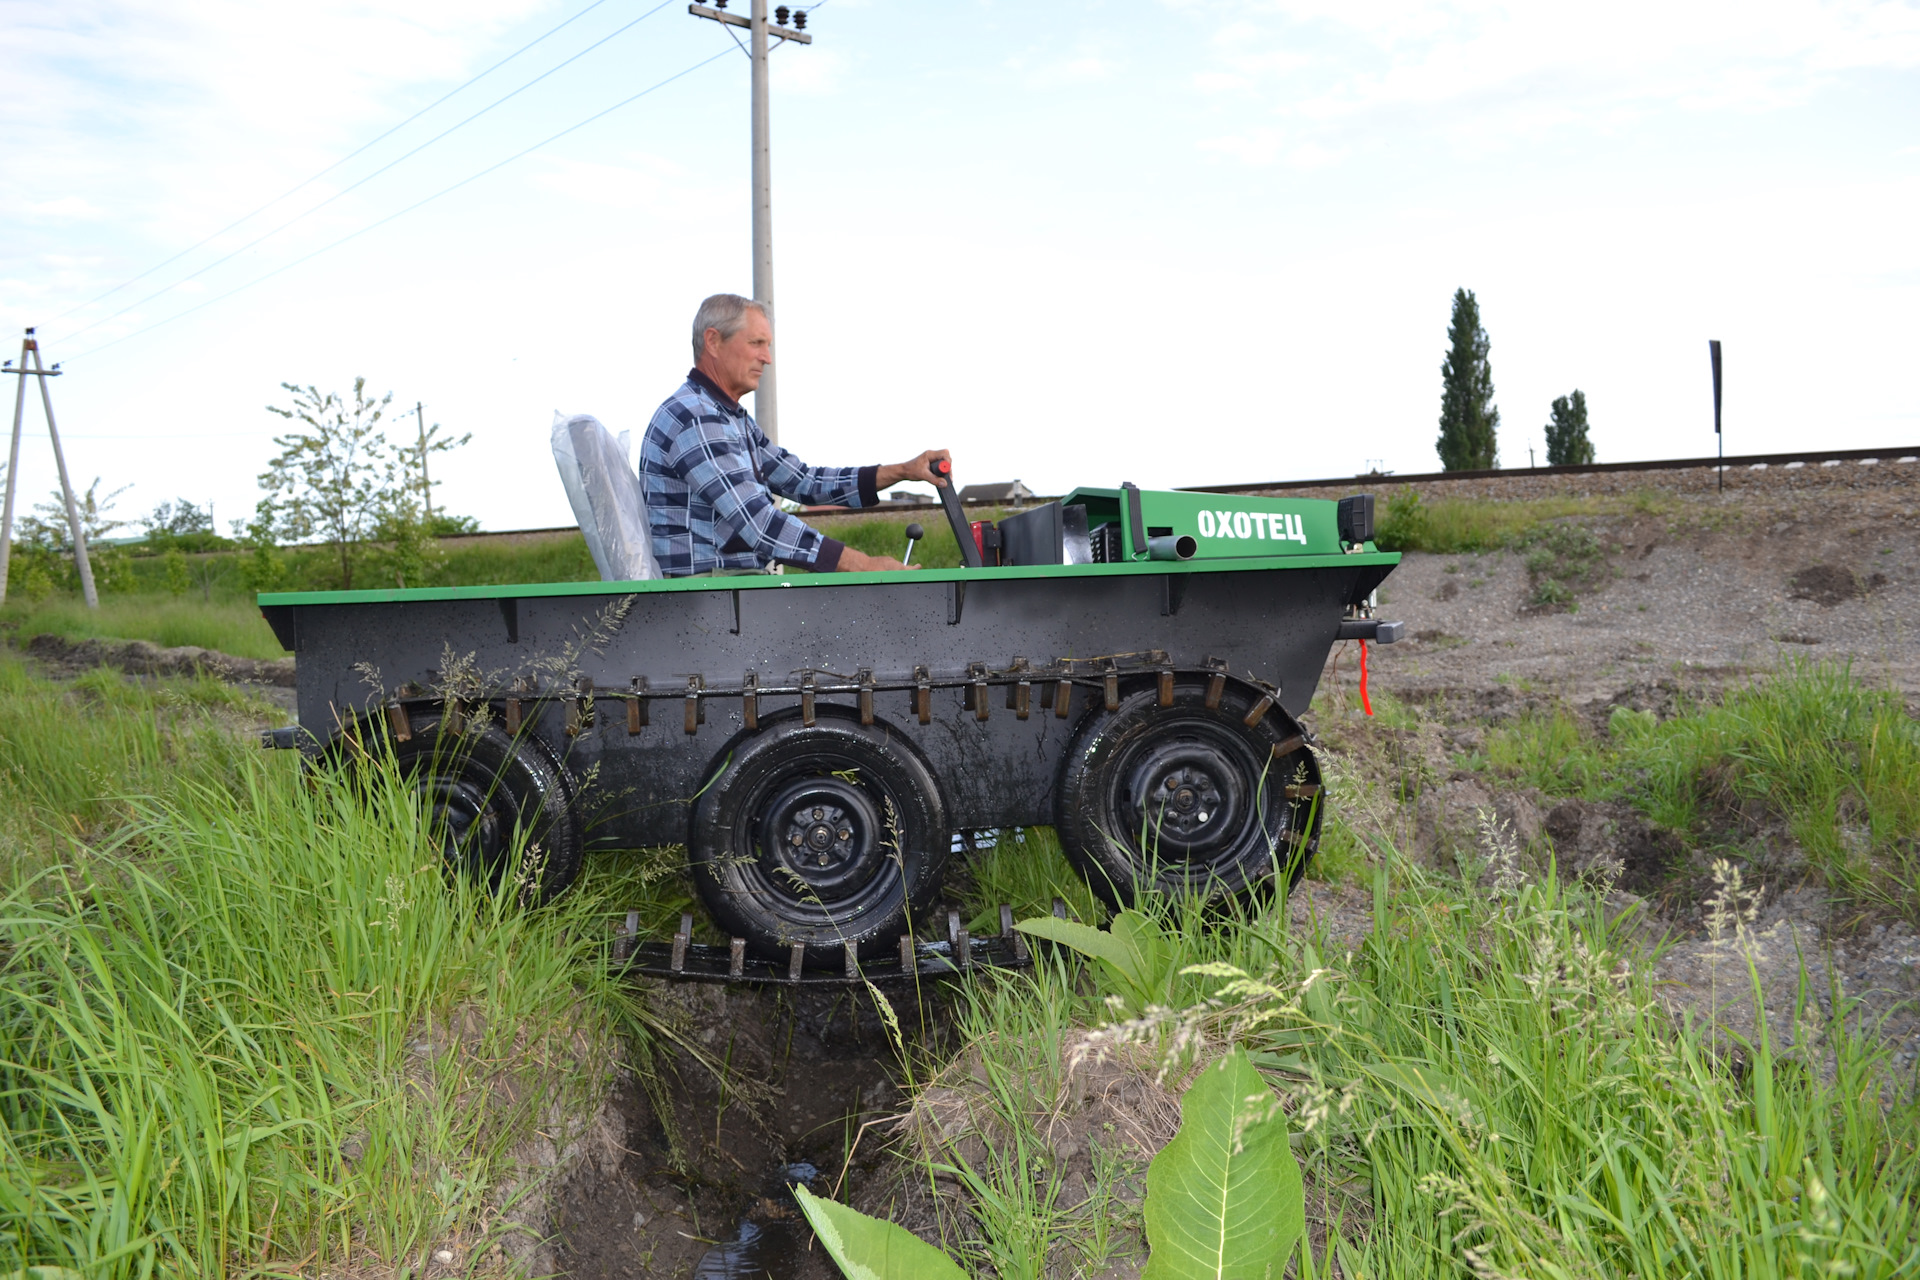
(709, 474)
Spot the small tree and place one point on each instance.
(264, 568)
(1469, 422)
(339, 478)
(46, 531)
(1567, 443)
(336, 475)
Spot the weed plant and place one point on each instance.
(246, 1023)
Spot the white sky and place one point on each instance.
(1175, 243)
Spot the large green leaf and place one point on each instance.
(869, 1249)
(1224, 1199)
(1134, 951)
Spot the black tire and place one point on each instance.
(1183, 799)
(499, 805)
(792, 840)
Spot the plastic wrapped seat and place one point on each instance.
(605, 495)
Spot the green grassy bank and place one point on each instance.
(246, 1025)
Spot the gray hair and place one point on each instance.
(725, 312)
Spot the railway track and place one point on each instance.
(1908, 454)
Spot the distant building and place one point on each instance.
(1008, 492)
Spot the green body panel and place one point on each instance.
(1226, 527)
(773, 582)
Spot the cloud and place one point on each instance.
(1265, 146)
(1483, 74)
(639, 184)
(167, 119)
(810, 70)
(1052, 71)
(66, 209)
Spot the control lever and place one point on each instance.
(962, 527)
(914, 534)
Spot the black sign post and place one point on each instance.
(1719, 441)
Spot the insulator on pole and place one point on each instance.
(780, 15)
(800, 20)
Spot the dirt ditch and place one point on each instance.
(695, 1181)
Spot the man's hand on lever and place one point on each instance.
(921, 469)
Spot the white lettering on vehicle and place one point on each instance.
(1280, 526)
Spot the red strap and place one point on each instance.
(1364, 703)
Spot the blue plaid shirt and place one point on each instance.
(709, 474)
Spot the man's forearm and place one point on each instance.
(920, 468)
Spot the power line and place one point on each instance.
(132, 306)
(330, 168)
(354, 235)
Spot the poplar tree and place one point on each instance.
(1567, 443)
(1469, 422)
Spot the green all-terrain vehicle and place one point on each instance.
(1125, 665)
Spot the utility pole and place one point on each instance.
(760, 31)
(29, 347)
(426, 485)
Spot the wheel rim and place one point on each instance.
(473, 832)
(809, 867)
(1189, 794)
(824, 832)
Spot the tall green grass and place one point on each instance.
(1837, 762)
(70, 755)
(246, 1023)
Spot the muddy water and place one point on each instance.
(804, 1072)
